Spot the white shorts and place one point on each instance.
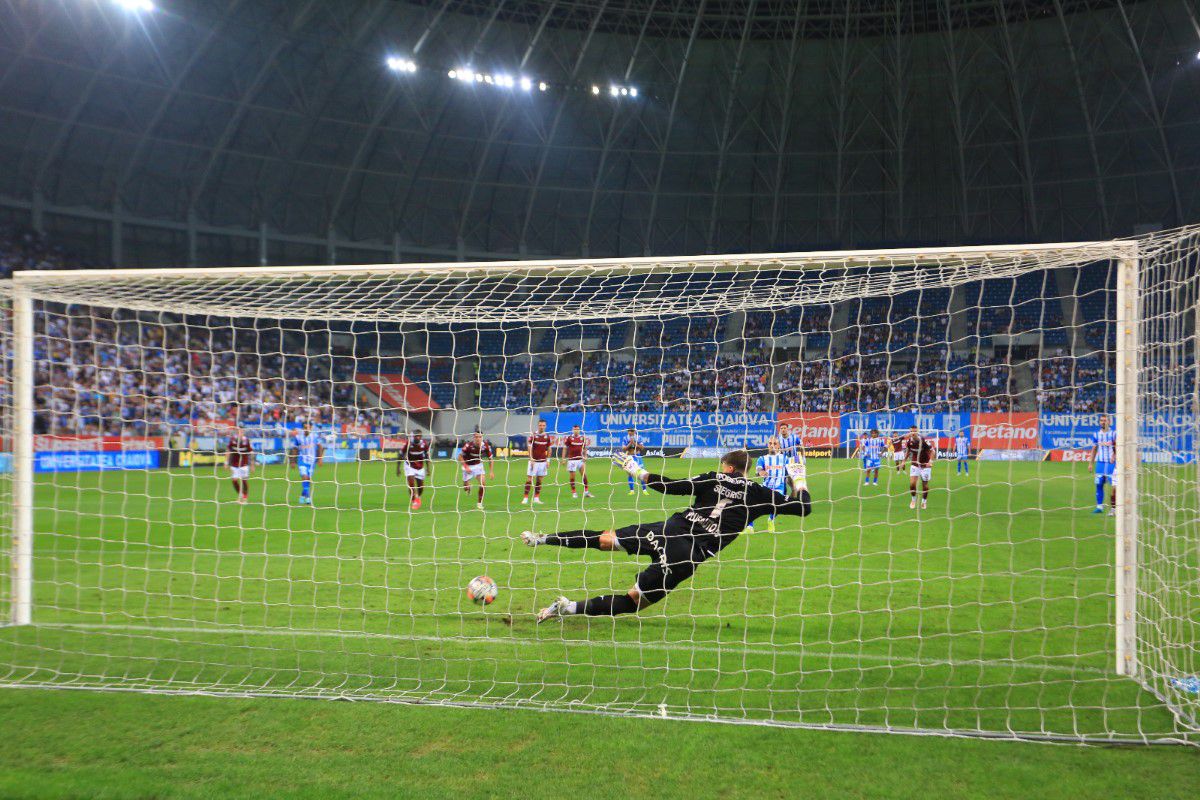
(472, 471)
(920, 472)
(306, 470)
(574, 464)
(409, 472)
(536, 469)
(898, 455)
(239, 473)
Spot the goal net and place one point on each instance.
(1013, 599)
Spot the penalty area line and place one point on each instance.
(680, 647)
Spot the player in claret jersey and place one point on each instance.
(575, 452)
(471, 457)
(920, 451)
(725, 502)
(539, 458)
(897, 449)
(412, 464)
(241, 462)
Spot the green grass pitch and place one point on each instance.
(989, 610)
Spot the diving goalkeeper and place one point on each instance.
(725, 501)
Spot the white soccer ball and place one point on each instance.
(482, 590)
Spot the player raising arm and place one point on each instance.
(471, 457)
(724, 502)
(412, 465)
(920, 451)
(634, 448)
(307, 451)
(575, 452)
(240, 459)
(539, 460)
(897, 449)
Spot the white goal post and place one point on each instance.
(1005, 608)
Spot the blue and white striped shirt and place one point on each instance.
(776, 466)
(1106, 446)
(962, 446)
(873, 446)
(306, 445)
(792, 446)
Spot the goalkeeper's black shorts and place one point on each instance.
(675, 551)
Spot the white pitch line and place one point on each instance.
(681, 647)
(812, 567)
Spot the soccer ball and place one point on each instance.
(482, 590)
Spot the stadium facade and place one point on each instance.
(226, 132)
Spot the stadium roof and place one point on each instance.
(273, 131)
(771, 19)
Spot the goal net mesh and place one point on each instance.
(990, 611)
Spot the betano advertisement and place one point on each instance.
(1057, 436)
(1005, 431)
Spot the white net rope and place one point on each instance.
(988, 611)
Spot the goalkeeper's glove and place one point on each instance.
(627, 462)
(798, 475)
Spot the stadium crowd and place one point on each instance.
(106, 372)
(100, 372)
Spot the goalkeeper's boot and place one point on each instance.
(631, 491)
(532, 539)
(770, 526)
(556, 609)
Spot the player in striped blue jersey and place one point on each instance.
(962, 453)
(307, 450)
(871, 449)
(791, 444)
(1104, 454)
(772, 468)
(634, 447)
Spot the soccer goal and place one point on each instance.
(1001, 591)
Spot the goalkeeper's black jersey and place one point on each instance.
(725, 504)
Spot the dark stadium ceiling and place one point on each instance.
(768, 19)
(273, 131)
